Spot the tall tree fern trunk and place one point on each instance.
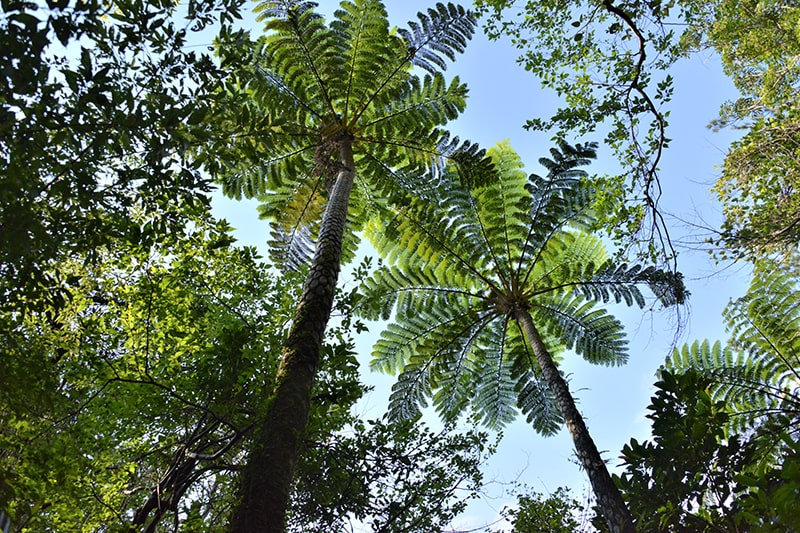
(267, 476)
(609, 499)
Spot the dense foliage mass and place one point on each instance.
(132, 405)
(725, 421)
(98, 104)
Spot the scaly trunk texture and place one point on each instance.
(615, 512)
(267, 476)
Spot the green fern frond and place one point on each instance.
(471, 163)
(400, 129)
(409, 393)
(365, 40)
(427, 333)
(432, 346)
(537, 402)
(560, 200)
(290, 249)
(567, 158)
(766, 321)
(753, 389)
(452, 375)
(499, 209)
(440, 34)
(296, 217)
(617, 282)
(568, 259)
(388, 285)
(303, 52)
(592, 332)
(621, 282)
(492, 393)
(444, 236)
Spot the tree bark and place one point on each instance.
(609, 498)
(267, 475)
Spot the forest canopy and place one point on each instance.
(158, 374)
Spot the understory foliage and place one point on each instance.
(684, 478)
(131, 405)
(558, 512)
(696, 475)
(388, 477)
(726, 422)
(136, 392)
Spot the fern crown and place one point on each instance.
(463, 266)
(307, 86)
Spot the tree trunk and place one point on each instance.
(267, 475)
(609, 499)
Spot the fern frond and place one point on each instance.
(441, 235)
(289, 250)
(592, 332)
(621, 283)
(387, 285)
(492, 392)
(766, 321)
(438, 36)
(427, 331)
(409, 394)
(432, 347)
(538, 403)
(305, 53)
(498, 206)
(402, 130)
(560, 200)
(568, 259)
(281, 9)
(755, 389)
(452, 375)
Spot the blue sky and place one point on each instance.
(502, 96)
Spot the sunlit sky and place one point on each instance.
(502, 96)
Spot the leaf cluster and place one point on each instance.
(684, 479)
(97, 106)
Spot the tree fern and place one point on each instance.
(470, 250)
(307, 85)
(489, 279)
(333, 115)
